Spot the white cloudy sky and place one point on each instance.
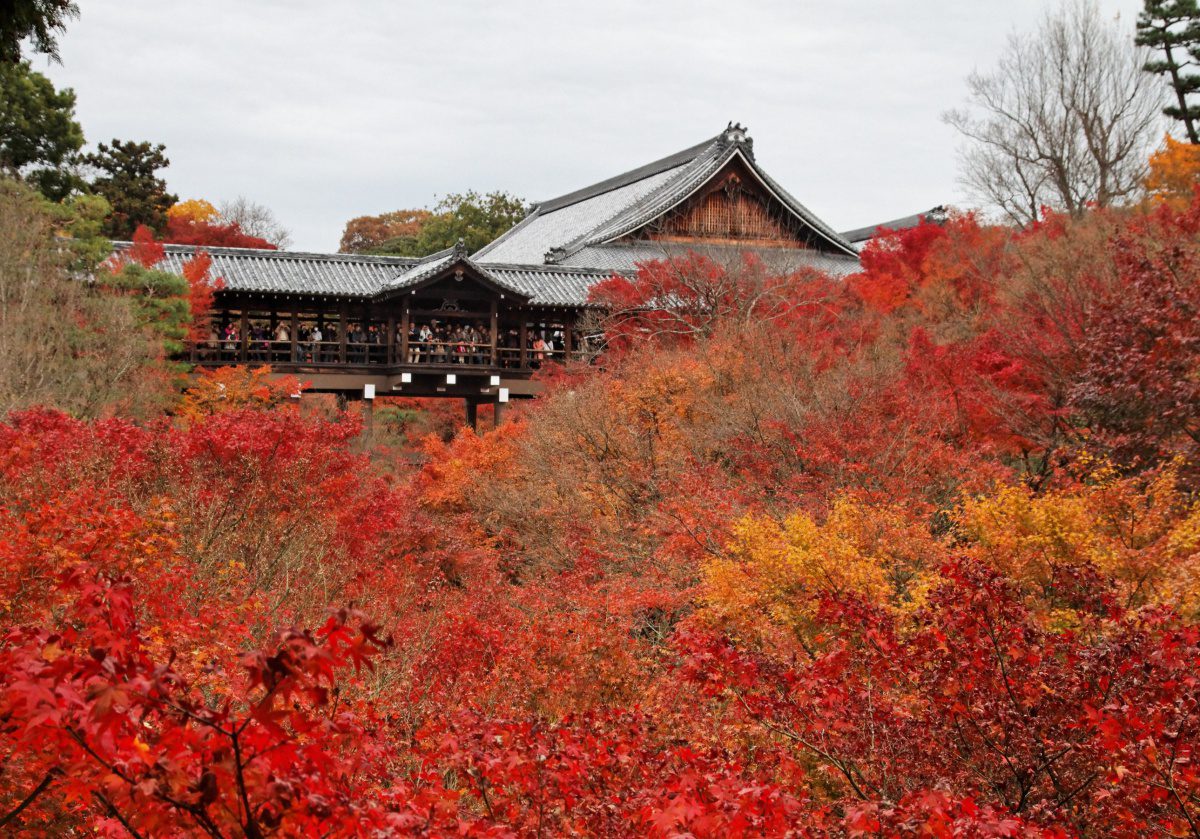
(324, 111)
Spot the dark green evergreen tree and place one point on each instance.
(42, 21)
(39, 137)
(127, 176)
(1172, 28)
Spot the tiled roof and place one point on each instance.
(351, 275)
(937, 215)
(431, 265)
(287, 272)
(624, 258)
(529, 241)
(555, 231)
(550, 285)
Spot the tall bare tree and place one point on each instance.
(256, 220)
(1065, 120)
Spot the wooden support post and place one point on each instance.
(342, 334)
(524, 327)
(294, 334)
(405, 328)
(364, 318)
(391, 338)
(568, 340)
(318, 350)
(495, 330)
(244, 346)
(499, 415)
(472, 414)
(368, 414)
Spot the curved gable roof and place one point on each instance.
(559, 228)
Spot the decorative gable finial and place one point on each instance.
(736, 134)
(460, 247)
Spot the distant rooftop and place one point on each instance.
(936, 215)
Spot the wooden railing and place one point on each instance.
(451, 354)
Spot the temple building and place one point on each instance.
(476, 326)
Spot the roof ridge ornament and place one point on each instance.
(738, 136)
(735, 133)
(460, 247)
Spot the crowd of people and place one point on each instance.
(428, 343)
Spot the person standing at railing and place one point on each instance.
(315, 346)
(372, 340)
(442, 340)
(283, 340)
(231, 341)
(414, 344)
(424, 341)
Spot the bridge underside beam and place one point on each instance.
(480, 388)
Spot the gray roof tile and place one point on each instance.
(288, 272)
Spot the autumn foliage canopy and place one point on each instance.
(914, 552)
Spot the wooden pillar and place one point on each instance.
(405, 327)
(368, 414)
(499, 413)
(495, 331)
(472, 414)
(391, 338)
(524, 328)
(244, 345)
(294, 334)
(568, 339)
(365, 320)
(342, 333)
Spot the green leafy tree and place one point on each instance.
(127, 177)
(476, 219)
(1172, 29)
(39, 137)
(42, 21)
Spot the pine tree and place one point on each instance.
(40, 21)
(128, 178)
(1172, 27)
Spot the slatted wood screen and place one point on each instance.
(724, 216)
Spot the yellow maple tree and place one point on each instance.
(776, 573)
(194, 210)
(1143, 534)
(1174, 172)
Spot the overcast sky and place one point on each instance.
(325, 111)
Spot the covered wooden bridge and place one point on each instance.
(477, 326)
